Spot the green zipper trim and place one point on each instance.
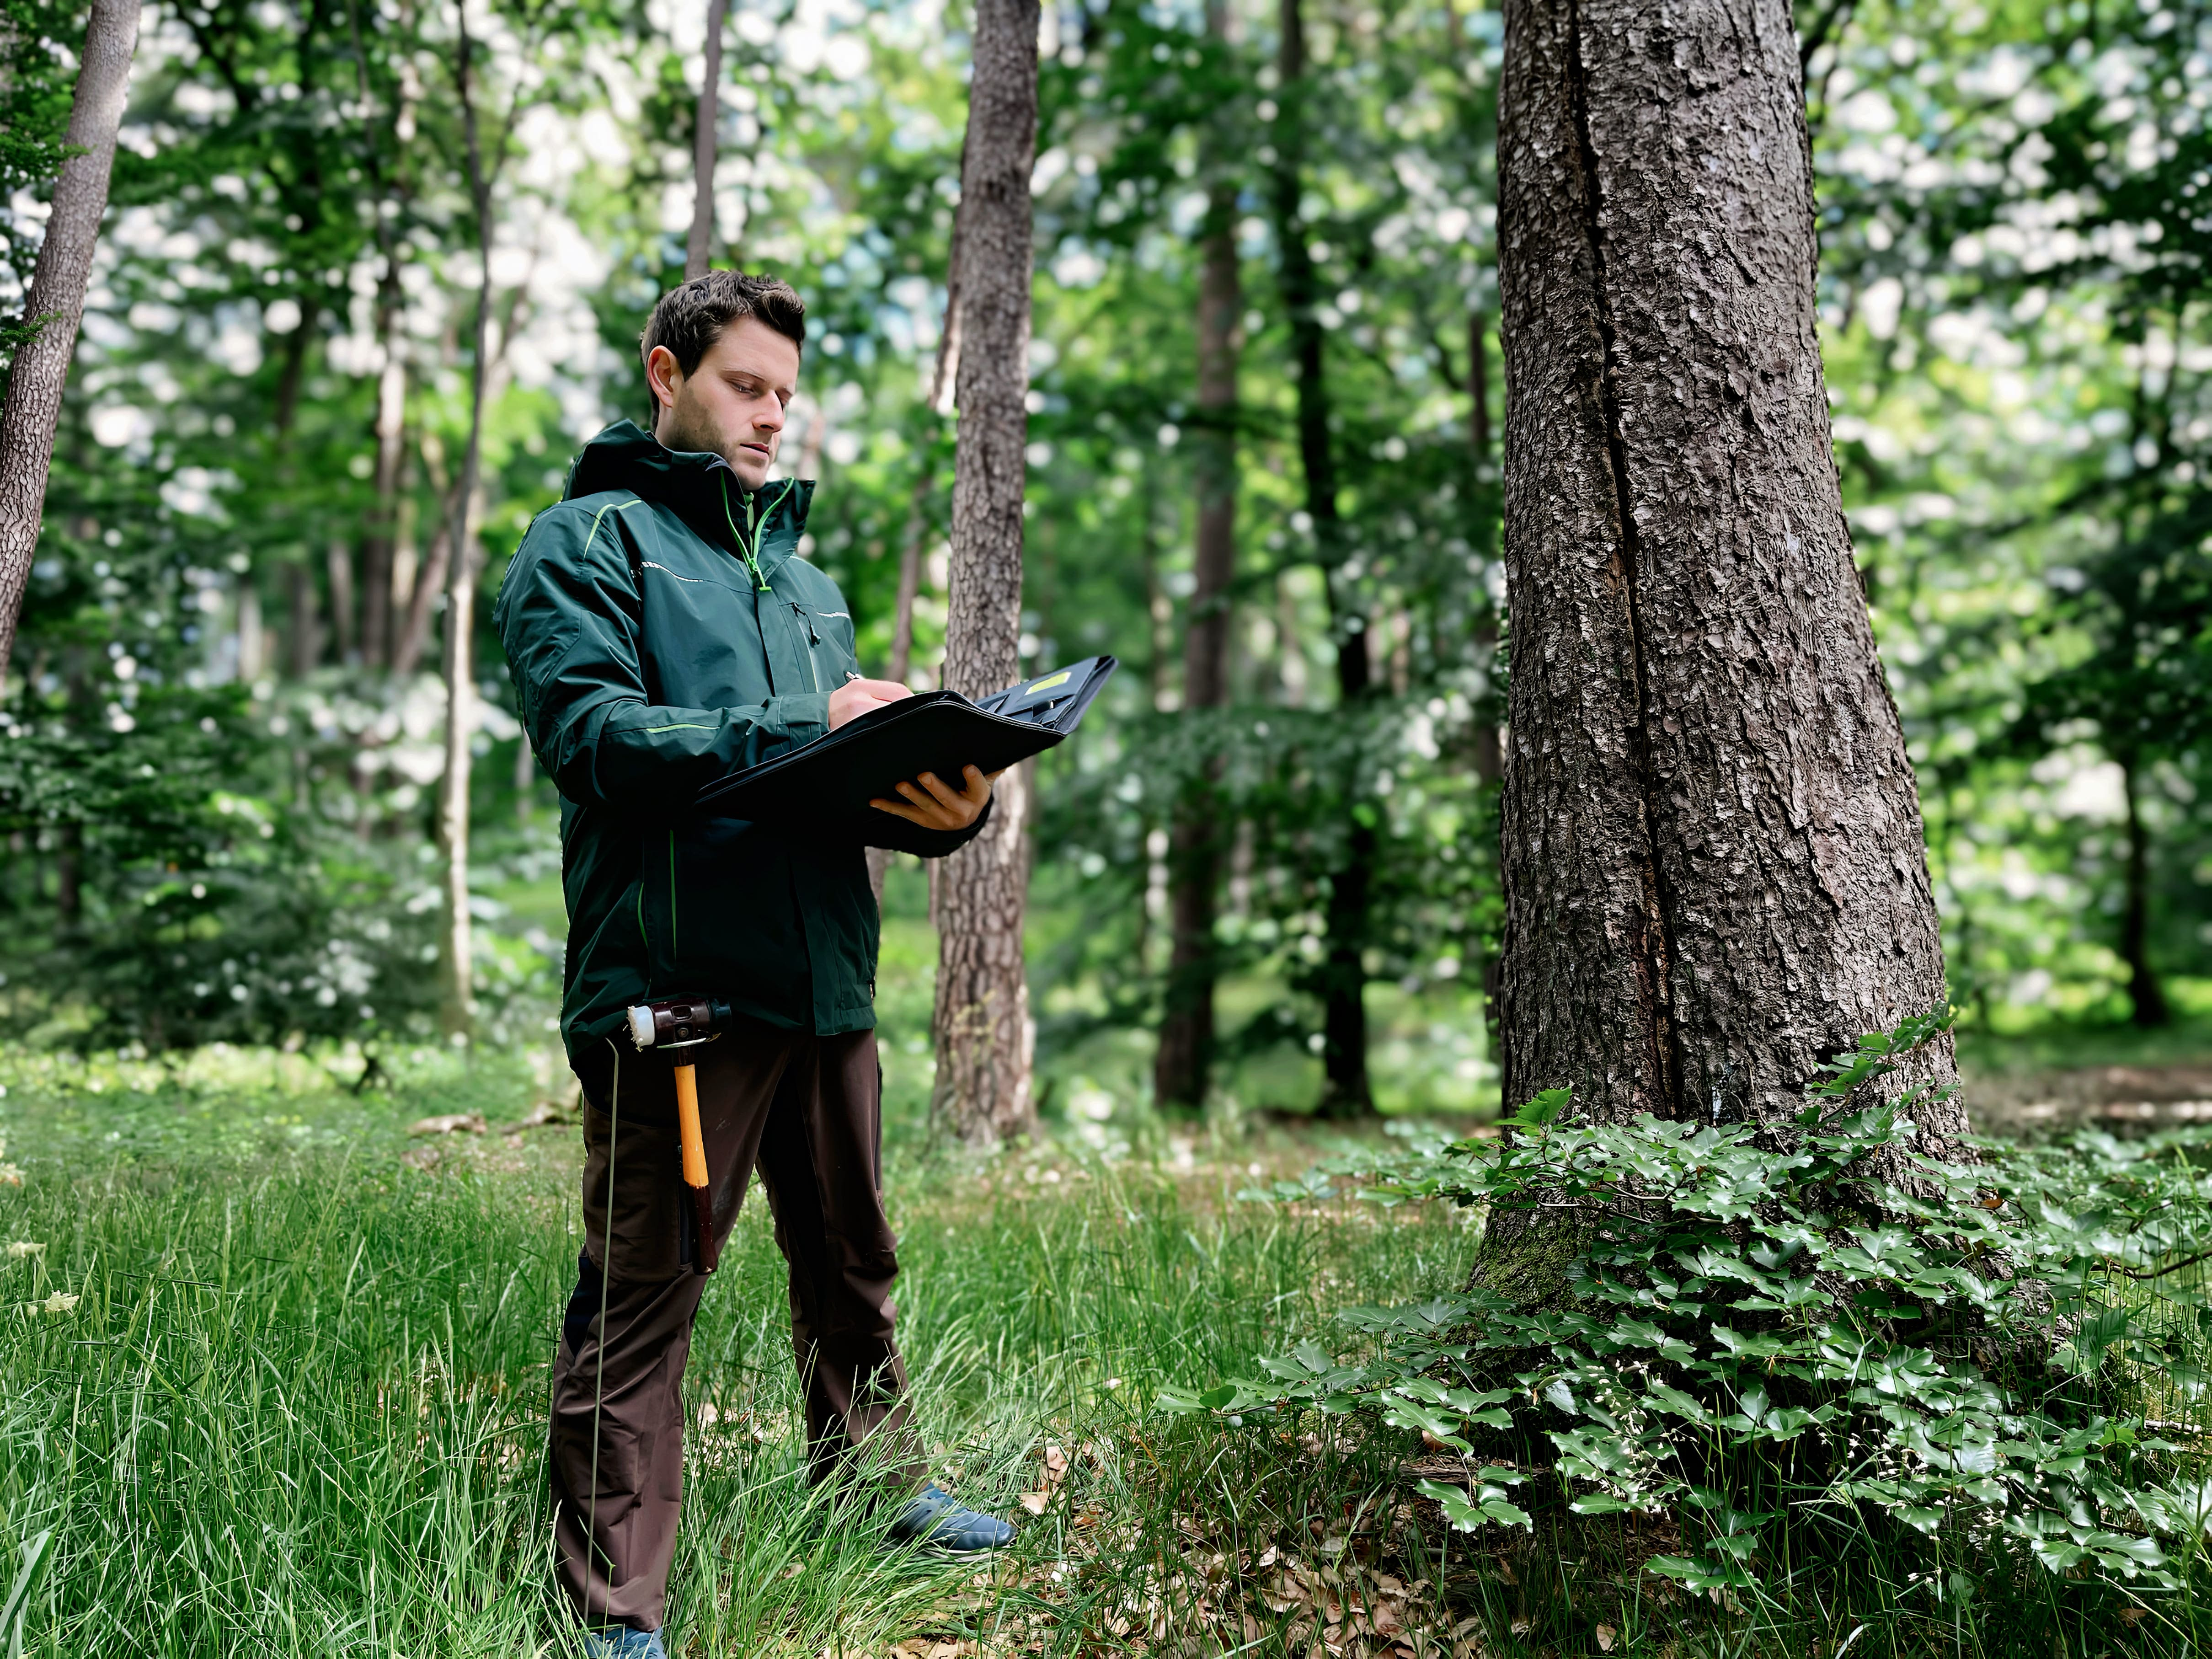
(644, 938)
(671, 896)
(681, 726)
(751, 548)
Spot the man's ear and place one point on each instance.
(663, 377)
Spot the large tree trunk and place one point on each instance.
(33, 406)
(457, 994)
(1714, 871)
(1182, 1066)
(984, 1034)
(699, 248)
(2150, 1009)
(1345, 1090)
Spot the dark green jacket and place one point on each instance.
(662, 634)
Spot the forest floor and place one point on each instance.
(276, 1375)
(276, 1383)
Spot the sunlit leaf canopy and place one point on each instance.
(2012, 332)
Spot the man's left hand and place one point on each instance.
(936, 805)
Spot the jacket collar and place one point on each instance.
(702, 488)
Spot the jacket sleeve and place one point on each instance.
(901, 836)
(567, 615)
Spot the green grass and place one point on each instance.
(298, 1408)
(298, 1404)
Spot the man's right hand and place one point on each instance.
(856, 697)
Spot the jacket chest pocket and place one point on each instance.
(826, 641)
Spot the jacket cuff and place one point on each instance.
(805, 715)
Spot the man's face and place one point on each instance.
(732, 403)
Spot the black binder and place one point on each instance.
(828, 783)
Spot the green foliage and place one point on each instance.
(1829, 1320)
(35, 84)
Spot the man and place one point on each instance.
(663, 634)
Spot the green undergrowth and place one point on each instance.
(291, 1400)
(273, 1372)
(1781, 1382)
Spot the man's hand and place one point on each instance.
(934, 806)
(856, 697)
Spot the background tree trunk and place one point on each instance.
(376, 630)
(984, 1035)
(33, 406)
(2149, 1004)
(1345, 1089)
(1182, 1066)
(1714, 871)
(902, 662)
(699, 249)
(457, 998)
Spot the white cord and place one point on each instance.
(599, 1381)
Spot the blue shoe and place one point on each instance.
(937, 1517)
(621, 1642)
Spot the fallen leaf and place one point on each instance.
(1034, 1502)
(1605, 1636)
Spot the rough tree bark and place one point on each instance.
(1714, 871)
(984, 1035)
(33, 406)
(1181, 1066)
(457, 993)
(1489, 757)
(1345, 1089)
(699, 248)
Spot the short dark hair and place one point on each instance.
(690, 319)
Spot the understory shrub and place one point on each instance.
(1999, 1358)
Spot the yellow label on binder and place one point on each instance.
(1049, 681)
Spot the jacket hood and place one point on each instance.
(703, 488)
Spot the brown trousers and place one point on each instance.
(805, 1110)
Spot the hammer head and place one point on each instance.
(678, 1022)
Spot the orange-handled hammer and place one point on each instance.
(680, 1024)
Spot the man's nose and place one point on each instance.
(771, 418)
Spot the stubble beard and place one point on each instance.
(688, 431)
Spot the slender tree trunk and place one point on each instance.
(304, 643)
(251, 660)
(1182, 1066)
(1345, 1089)
(338, 561)
(68, 879)
(984, 1034)
(1714, 871)
(376, 632)
(33, 406)
(414, 630)
(902, 663)
(379, 544)
(2150, 1009)
(457, 1000)
(699, 249)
